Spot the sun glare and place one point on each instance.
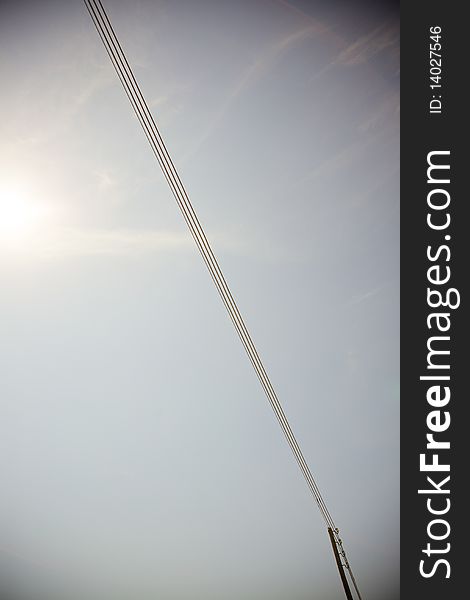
(18, 213)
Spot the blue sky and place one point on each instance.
(140, 457)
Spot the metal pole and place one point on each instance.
(339, 564)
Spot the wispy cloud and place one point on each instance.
(66, 242)
(333, 163)
(382, 114)
(106, 179)
(38, 122)
(60, 242)
(254, 71)
(166, 106)
(366, 47)
(313, 22)
(358, 298)
(369, 45)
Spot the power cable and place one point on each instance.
(140, 107)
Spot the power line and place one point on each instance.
(140, 107)
(196, 229)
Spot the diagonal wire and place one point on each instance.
(125, 74)
(204, 249)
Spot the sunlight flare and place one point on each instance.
(20, 213)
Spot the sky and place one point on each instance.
(139, 457)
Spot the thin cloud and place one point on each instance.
(66, 242)
(47, 122)
(366, 47)
(332, 164)
(381, 116)
(253, 72)
(315, 23)
(369, 45)
(357, 299)
(106, 180)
